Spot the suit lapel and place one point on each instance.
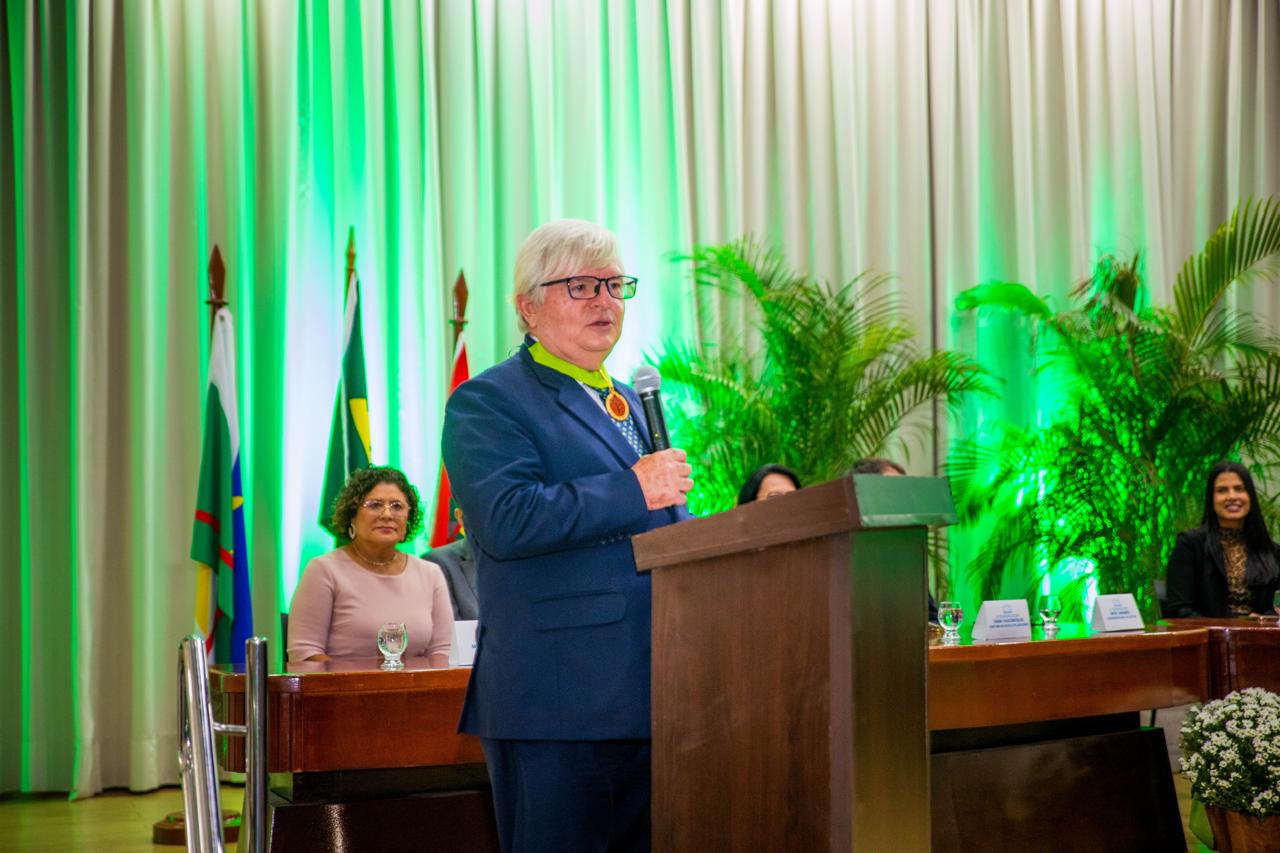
(573, 399)
(1215, 552)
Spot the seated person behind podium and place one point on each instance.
(458, 563)
(876, 465)
(1227, 566)
(551, 463)
(346, 594)
(768, 481)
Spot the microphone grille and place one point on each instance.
(646, 378)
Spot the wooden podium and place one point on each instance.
(789, 661)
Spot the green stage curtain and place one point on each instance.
(947, 142)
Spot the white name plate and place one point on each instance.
(463, 650)
(1116, 613)
(1003, 620)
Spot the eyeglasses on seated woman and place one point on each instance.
(344, 596)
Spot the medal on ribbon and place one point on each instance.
(616, 405)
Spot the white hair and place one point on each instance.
(561, 248)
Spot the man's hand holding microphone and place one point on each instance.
(664, 475)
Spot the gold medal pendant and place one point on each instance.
(616, 405)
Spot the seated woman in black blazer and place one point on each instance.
(1227, 566)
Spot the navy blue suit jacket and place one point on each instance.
(543, 478)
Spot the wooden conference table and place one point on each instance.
(1028, 736)
(362, 759)
(373, 760)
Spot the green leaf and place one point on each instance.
(835, 374)
(1003, 294)
(1155, 397)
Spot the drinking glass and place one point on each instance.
(393, 639)
(950, 615)
(1050, 610)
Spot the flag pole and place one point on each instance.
(208, 551)
(351, 257)
(349, 448)
(459, 320)
(217, 284)
(342, 384)
(441, 532)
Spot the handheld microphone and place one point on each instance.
(646, 380)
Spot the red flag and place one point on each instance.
(445, 529)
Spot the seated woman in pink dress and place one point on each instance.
(345, 595)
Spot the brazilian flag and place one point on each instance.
(224, 609)
(349, 432)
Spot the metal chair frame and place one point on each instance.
(196, 761)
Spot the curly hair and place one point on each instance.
(359, 484)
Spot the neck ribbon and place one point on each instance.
(614, 403)
(595, 378)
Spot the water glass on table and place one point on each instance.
(1050, 610)
(393, 639)
(950, 615)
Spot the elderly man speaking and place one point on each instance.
(551, 461)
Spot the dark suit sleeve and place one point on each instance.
(453, 559)
(513, 512)
(450, 570)
(1180, 579)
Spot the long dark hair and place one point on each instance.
(1261, 568)
(751, 487)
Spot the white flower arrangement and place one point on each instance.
(1231, 752)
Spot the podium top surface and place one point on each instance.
(860, 502)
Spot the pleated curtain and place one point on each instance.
(947, 142)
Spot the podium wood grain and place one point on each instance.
(789, 677)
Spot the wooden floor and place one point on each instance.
(120, 822)
(117, 821)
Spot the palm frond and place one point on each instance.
(836, 373)
(1154, 398)
(1245, 245)
(1003, 294)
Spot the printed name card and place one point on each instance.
(463, 650)
(1116, 613)
(1003, 620)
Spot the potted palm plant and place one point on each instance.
(1153, 397)
(827, 374)
(1231, 755)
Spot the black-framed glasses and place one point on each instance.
(396, 508)
(588, 286)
